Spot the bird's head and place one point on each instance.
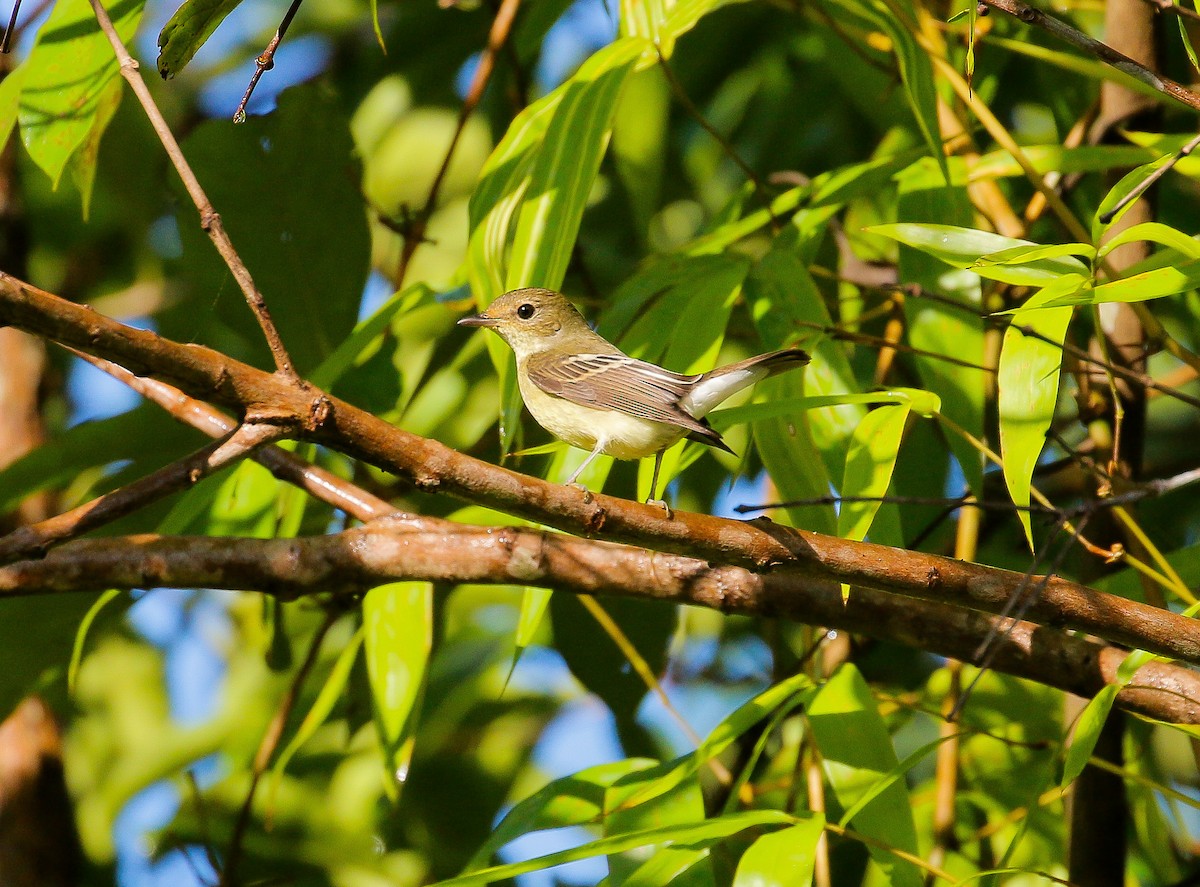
(530, 319)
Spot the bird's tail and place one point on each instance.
(716, 385)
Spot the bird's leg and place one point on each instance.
(587, 494)
(654, 485)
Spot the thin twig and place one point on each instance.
(266, 748)
(1102, 51)
(266, 61)
(210, 219)
(1169, 8)
(34, 540)
(287, 467)
(6, 43)
(497, 39)
(762, 189)
(1145, 184)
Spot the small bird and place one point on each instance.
(586, 391)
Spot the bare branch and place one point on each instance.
(758, 545)
(210, 220)
(266, 61)
(396, 548)
(1102, 51)
(35, 539)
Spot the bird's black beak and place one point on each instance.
(477, 320)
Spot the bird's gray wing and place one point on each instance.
(618, 382)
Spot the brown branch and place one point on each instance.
(266, 61)
(287, 467)
(35, 539)
(428, 465)
(210, 220)
(1102, 51)
(395, 549)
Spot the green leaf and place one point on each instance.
(796, 690)
(1095, 713)
(1156, 232)
(1120, 191)
(190, 26)
(1024, 255)
(963, 247)
(682, 804)
(331, 693)
(368, 331)
(570, 800)
(869, 465)
(398, 635)
(1027, 380)
(924, 403)
(857, 750)
(66, 100)
(694, 834)
(10, 101)
(1140, 287)
(564, 167)
(783, 858)
(310, 267)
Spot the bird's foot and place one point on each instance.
(587, 494)
(662, 503)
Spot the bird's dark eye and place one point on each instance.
(525, 311)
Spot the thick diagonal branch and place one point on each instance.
(431, 466)
(398, 548)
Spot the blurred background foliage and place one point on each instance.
(738, 167)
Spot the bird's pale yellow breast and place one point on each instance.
(624, 436)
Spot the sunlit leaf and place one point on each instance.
(869, 464)
(397, 635)
(1028, 391)
(1095, 713)
(65, 91)
(191, 25)
(857, 750)
(784, 857)
(963, 247)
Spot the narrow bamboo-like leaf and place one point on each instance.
(694, 834)
(565, 166)
(1119, 192)
(1028, 384)
(81, 634)
(641, 18)
(783, 858)
(192, 24)
(1095, 713)
(963, 247)
(1023, 255)
(367, 331)
(1147, 285)
(398, 634)
(1156, 232)
(927, 403)
(331, 692)
(794, 690)
(869, 464)
(857, 749)
(681, 805)
(571, 800)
